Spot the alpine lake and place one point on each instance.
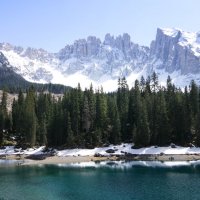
(112, 180)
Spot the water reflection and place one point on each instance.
(7, 163)
(132, 164)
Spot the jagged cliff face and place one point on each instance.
(113, 57)
(86, 61)
(111, 47)
(173, 52)
(177, 50)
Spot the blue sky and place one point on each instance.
(51, 24)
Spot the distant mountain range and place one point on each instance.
(173, 52)
(14, 82)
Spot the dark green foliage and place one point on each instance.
(163, 128)
(5, 118)
(122, 103)
(114, 122)
(101, 115)
(197, 129)
(146, 115)
(140, 126)
(69, 132)
(142, 133)
(14, 82)
(42, 130)
(30, 118)
(86, 118)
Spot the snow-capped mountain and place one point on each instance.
(176, 53)
(173, 52)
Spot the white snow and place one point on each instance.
(172, 32)
(9, 150)
(104, 70)
(190, 40)
(187, 39)
(119, 150)
(127, 148)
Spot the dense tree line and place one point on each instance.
(13, 83)
(147, 114)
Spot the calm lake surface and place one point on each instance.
(110, 181)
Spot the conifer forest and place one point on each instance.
(146, 114)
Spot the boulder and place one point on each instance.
(110, 151)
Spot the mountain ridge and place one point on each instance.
(13, 82)
(173, 52)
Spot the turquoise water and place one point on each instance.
(135, 182)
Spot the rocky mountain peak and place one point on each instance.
(38, 54)
(94, 47)
(6, 46)
(177, 50)
(31, 53)
(10, 47)
(80, 48)
(121, 42)
(173, 52)
(109, 40)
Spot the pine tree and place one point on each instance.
(142, 84)
(75, 111)
(142, 132)
(131, 119)
(187, 117)
(86, 118)
(178, 123)
(101, 115)
(122, 104)
(1, 127)
(17, 118)
(42, 131)
(114, 122)
(194, 98)
(153, 117)
(56, 129)
(197, 130)
(4, 103)
(70, 137)
(4, 125)
(91, 102)
(29, 118)
(154, 82)
(163, 128)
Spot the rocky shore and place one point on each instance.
(123, 152)
(41, 159)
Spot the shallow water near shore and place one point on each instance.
(106, 180)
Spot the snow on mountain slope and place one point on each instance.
(174, 52)
(187, 39)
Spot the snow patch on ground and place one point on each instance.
(10, 150)
(118, 150)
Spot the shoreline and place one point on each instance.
(123, 152)
(81, 159)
